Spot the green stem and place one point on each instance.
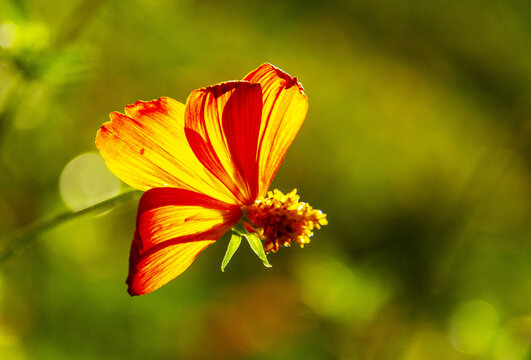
(23, 236)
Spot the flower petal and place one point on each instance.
(156, 269)
(284, 110)
(147, 148)
(222, 124)
(173, 227)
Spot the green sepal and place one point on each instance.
(234, 244)
(256, 244)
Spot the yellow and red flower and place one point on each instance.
(205, 166)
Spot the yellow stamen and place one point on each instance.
(280, 219)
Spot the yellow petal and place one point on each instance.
(222, 124)
(158, 268)
(284, 108)
(169, 213)
(147, 148)
(173, 227)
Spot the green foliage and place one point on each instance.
(256, 244)
(234, 244)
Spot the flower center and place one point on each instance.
(281, 219)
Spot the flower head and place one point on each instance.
(203, 165)
(281, 219)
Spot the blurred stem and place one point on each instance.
(16, 241)
(66, 33)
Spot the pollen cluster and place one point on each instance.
(281, 219)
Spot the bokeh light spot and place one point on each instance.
(513, 341)
(86, 181)
(473, 327)
(340, 292)
(7, 34)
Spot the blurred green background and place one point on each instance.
(416, 145)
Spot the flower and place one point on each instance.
(206, 166)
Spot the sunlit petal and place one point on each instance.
(156, 268)
(222, 124)
(147, 148)
(284, 108)
(173, 227)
